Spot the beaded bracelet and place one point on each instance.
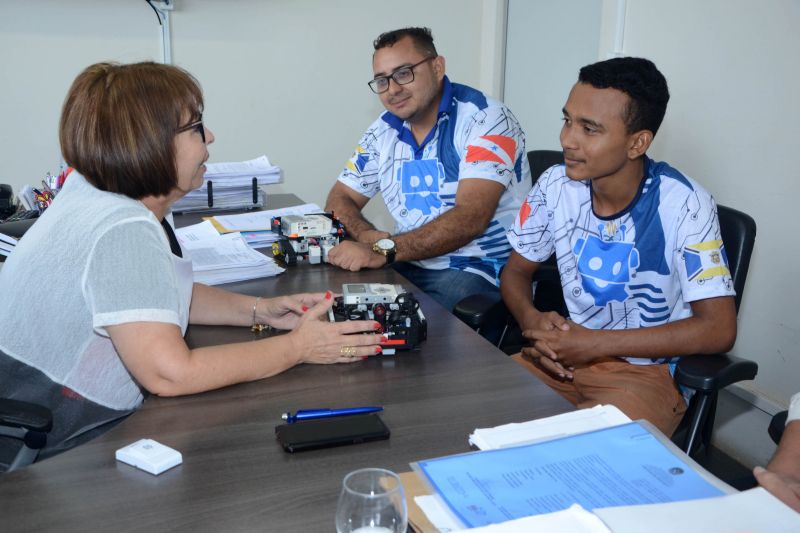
(257, 327)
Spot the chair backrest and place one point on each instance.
(738, 234)
(541, 160)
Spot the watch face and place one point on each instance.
(385, 244)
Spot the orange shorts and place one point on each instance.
(639, 391)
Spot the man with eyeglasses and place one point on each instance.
(450, 164)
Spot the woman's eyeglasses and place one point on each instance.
(196, 125)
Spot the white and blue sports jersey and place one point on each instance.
(639, 268)
(475, 137)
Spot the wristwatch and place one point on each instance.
(386, 248)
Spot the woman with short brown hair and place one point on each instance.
(102, 295)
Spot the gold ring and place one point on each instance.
(348, 351)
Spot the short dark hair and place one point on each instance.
(422, 37)
(119, 122)
(640, 80)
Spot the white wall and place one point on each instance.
(282, 77)
(44, 45)
(540, 71)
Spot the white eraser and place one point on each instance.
(150, 456)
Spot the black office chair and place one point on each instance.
(23, 432)
(486, 311)
(705, 374)
(777, 425)
(708, 374)
(541, 160)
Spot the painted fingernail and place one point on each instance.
(304, 308)
(377, 327)
(378, 349)
(384, 338)
(328, 295)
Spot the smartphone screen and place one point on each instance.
(335, 431)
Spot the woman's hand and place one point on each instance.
(321, 342)
(284, 312)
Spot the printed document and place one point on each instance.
(226, 258)
(622, 465)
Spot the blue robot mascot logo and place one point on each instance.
(606, 265)
(419, 183)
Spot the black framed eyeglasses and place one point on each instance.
(401, 76)
(197, 125)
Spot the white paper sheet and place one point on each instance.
(576, 519)
(225, 258)
(580, 421)
(752, 511)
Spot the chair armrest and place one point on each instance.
(777, 425)
(477, 310)
(17, 414)
(17, 228)
(713, 372)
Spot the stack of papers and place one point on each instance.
(232, 186)
(580, 421)
(218, 259)
(256, 226)
(7, 244)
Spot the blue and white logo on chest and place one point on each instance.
(419, 184)
(605, 264)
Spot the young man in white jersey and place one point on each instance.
(451, 166)
(642, 264)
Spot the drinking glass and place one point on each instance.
(371, 501)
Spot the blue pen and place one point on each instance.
(309, 414)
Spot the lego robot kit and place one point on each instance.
(309, 238)
(306, 237)
(396, 310)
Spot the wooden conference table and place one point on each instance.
(235, 476)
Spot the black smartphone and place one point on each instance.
(334, 431)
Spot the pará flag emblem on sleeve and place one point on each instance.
(494, 148)
(705, 260)
(524, 213)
